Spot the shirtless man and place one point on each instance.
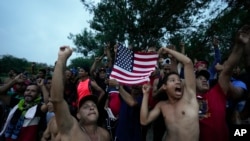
(51, 132)
(69, 128)
(180, 111)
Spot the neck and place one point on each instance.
(89, 129)
(172, 100)
(201, 91)
(84, 78)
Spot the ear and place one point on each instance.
(164, 86)
(78, 115)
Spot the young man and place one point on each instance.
(69, 128)
(180, 111)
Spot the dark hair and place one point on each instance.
(43, 71)
(33, 83)
(86, 68)
(165, 79)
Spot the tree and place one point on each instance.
(80, 61)
(138, 22)
(8, 62)
(142, 23)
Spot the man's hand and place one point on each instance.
(113, 82)
(98, 59)
(243, 35)
(40, 82)
(219, 67)
(19, 78)
(146, 88)
(65, 52)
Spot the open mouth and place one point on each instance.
(178, 89)
(205, 84)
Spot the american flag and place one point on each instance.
(133, 68)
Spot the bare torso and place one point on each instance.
(181, 120)
(78, 134)
(51, 133)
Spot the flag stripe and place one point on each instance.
(120, 71)
(133, 68)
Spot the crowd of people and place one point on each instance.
(185, 99)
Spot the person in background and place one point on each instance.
(26, 118)
(212, 100)
(129, 127)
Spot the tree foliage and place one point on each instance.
(8, 62)
(80, 61)
(142, 23)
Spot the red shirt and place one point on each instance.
(83, 89)
(212, 112)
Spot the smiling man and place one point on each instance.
(24, 119)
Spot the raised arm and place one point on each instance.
(145, 116)
(128, 98)
(217, 58)
(64, 119)
(7, 86)
(108, 53)
(98, 89)
(45, 94)
(242, 39)
(189, 81)
(93, 67)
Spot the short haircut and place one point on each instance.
(165, 79)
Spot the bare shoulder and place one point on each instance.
(161, 103)
(104, 134)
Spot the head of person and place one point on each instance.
(68, 74)
(87, 109)
(202, 81)
(102, 73)
(74, 72)
(83, 71)
(21, 85)
(41, 73)
(201, 65)
(48, 82)
(32, 93)
(12, 73)
(172, 85)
